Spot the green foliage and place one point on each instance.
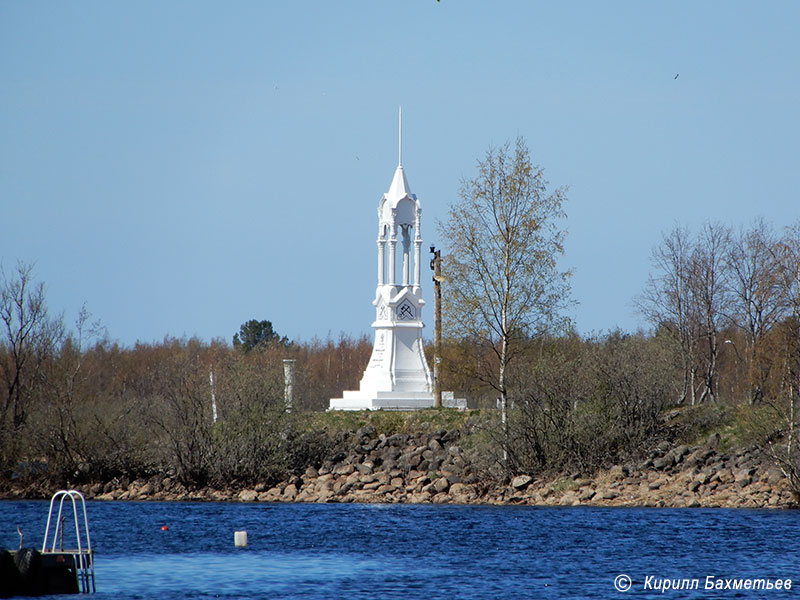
(564, 484)
(390, 422)
(696, 423)
(257, 334)
(774, 430)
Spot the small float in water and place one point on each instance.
(53, 569)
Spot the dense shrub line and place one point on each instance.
(108, 412)
(76, 407)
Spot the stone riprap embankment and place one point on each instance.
(433, 468)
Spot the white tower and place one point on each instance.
(397, 376)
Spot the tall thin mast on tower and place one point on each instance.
(400, 137)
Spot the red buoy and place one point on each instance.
(164, 528)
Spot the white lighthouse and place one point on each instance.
(397, 376)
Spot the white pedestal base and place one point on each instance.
(382, 401)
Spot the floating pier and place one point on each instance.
(54, 569)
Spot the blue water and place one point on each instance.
(356, 551)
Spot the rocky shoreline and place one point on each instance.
(433, 468)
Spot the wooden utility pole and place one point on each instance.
(436, 267)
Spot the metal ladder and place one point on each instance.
(82, 557)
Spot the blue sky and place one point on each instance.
(182, 167)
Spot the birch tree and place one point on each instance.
(668, 302)
(758, 297)
(708, 280)
(787, 453)
(27, 337)
(503, 236)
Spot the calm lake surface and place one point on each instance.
(356, 551)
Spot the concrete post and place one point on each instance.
(288, 383)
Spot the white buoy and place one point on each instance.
(240, 539)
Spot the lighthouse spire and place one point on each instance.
(400, 138)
